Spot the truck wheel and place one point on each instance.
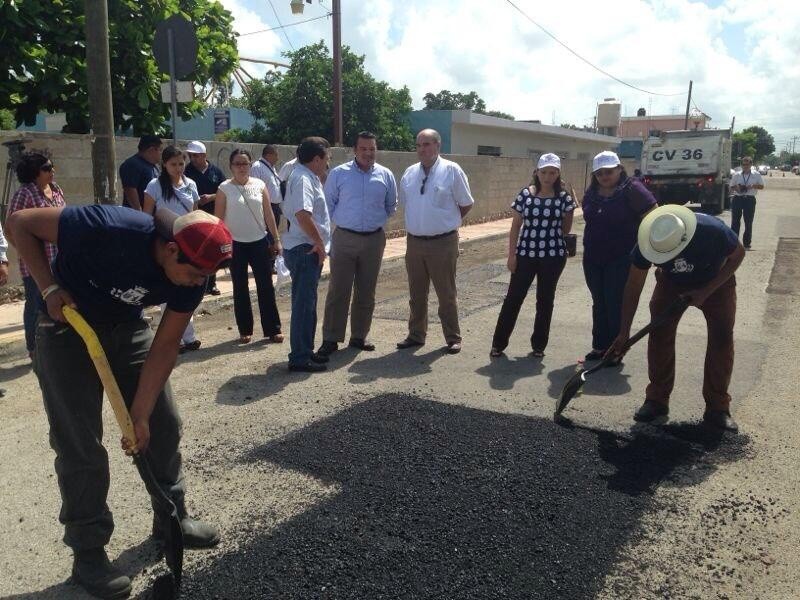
(727, 198)
(710, 209)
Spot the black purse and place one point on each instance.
(571, 241)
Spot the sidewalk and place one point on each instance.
(12, 331)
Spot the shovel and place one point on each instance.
(575, 382)
(173, 537)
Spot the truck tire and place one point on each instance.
(727, 193)
(714, 208)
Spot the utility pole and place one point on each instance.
(688, 102)
(338, 135)
(101, 113)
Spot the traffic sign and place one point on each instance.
(184, 41)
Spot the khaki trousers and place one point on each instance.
(432, 260)
(355, 266)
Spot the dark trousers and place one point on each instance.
(305, 270)
(547, 272)
(30, 311)
(720, 313)
(256, 255)
(276, 210)
(73, 401)
(743, 206)
(606, 284)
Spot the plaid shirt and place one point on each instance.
(30, 196)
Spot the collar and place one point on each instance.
(357, 166)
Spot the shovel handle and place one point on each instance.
(100, 360)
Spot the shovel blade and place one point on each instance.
(165, 509)
(570, 389)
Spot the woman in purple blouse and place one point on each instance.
(613, 206)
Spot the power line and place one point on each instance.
(277, 18)
(285, 26)
(594, 66)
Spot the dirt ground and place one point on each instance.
(415, 474)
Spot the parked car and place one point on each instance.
(763, 169)
(796, 170)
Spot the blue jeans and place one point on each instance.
(606, 284)
(30, 311)
(305, 270)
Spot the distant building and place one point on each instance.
(469, 133)
(211, 122)
(646, 125)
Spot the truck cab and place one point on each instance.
(689, 166)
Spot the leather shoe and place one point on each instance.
(721, 419)
(214, 291)
(309, 367)
(408, 343)
(327, 348)
(454, 347)
(92, 570)
(651, 412)
(318, 358)
(196, 534)
(361, 344)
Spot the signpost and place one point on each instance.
(222, 120)
(175, 51)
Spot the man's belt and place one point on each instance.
(432, 237)
(373, 232)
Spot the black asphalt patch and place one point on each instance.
(442, 501)
(785, 275)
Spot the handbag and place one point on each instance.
(571, 241)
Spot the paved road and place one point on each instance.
(423, 475)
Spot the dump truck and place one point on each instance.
(692, 166)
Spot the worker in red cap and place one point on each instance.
(112, 263)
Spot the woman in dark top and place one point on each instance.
(613, 206)
(536, 249)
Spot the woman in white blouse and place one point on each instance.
(176, 192)
(244, 204)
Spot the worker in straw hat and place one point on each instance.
(696, 257)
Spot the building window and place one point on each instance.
(489, 150)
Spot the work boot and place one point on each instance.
(721, 419)
(92, 570)
(651, 412)
(196, 534)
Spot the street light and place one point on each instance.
(336, 12)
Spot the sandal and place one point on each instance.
(494, 353)
(245, 339)
(274, 339)
(537, 353)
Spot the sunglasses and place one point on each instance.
(47, 168)
(422, 188)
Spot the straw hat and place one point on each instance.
(665, 232)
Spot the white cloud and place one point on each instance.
(488, 47)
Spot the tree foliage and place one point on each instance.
(299, 102)
(447, 100)
(43, 66)
(765, 143)
(744, 144)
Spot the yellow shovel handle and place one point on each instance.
(100, 361)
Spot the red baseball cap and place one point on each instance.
(203, 238)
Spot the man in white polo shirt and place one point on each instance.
(745, 186)
(435, 195)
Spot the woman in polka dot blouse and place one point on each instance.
(536, 250)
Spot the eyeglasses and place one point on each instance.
(422, 188)
(240, 164)
(47, 168)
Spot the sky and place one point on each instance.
(741, 55)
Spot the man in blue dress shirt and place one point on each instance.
(361, 196)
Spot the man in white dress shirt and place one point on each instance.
(264, 169)
(435, 195)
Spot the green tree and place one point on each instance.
(765, 143)
(299, 102)
(744, 144)
(43, 64)
(447, 100)
(7, 120)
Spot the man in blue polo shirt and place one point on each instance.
(696, 257)
(112, 263)
(138, 170)
(361, 196)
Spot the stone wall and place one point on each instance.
(494, 181)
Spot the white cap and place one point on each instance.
(605, 160)
(196, 147)
(549, 160)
